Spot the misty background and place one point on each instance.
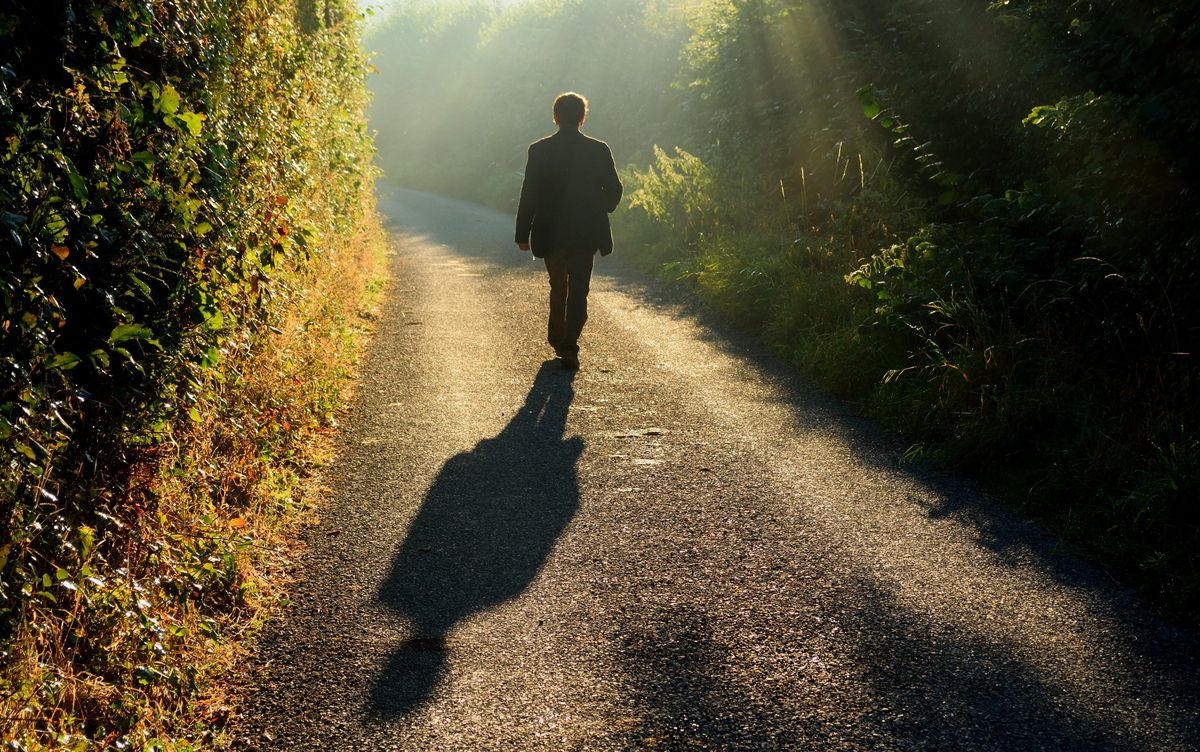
(463, 88)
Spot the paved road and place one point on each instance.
(679, 548)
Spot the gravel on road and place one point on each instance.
(681, 546)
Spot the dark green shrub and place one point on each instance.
(168, 171)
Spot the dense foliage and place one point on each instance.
(1030, 267)
(171, 173)
(976, 222)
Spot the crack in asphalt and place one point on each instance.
(683, 546)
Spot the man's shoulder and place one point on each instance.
(541, 143)
(553, 144)
(563, 137)
(595, 143)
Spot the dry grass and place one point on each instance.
(206, 531)
(305, 371)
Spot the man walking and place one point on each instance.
(570, 188)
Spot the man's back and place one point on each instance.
(570, 187)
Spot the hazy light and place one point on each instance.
(383, 8)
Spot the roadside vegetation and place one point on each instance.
(188, 248)
(976, 223)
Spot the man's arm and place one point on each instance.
(611, 183)
(528, 203)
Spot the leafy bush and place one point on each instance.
(677, 192)
(1022, 289)
(170, 179)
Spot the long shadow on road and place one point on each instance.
(485, 528)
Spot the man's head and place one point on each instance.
(570, 109)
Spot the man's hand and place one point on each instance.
(523, 246)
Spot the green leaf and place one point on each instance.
(130, 331)
(99, 358)
(870, 102)
(78, 186)
(193, 121)
(87, 541)
(64, 362)
(211, 357)
(168, 100)
(213, 318)
(143, 288)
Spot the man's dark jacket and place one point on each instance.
(570, 187)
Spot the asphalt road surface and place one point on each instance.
(680, 547)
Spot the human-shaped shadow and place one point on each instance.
(482, 534)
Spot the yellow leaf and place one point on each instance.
(238, 522)
(61, 251)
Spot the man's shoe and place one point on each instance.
(570, 362)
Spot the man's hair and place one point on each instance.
(570, 108)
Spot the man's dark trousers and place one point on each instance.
(570, 280)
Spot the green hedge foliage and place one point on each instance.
(167, 172)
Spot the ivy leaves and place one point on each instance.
(167, 102)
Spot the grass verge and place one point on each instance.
(144, 654)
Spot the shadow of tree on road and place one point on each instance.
(483, 532)
(896, 680)
(683, 693)
(936, 685)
